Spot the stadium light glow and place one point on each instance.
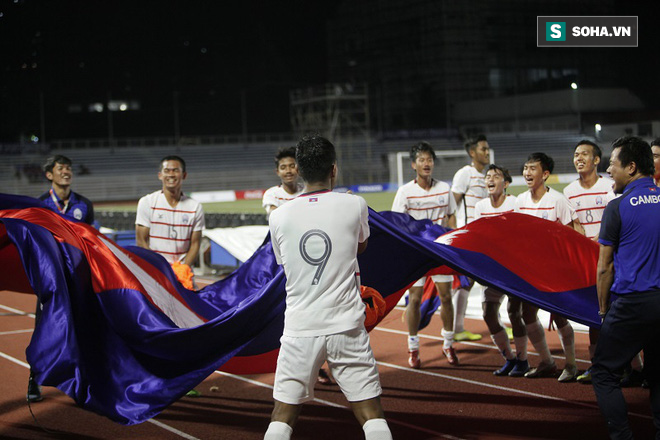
(574, 86)
(598, 127)
(123, 107)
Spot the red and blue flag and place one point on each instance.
(123, 338)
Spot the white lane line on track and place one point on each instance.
(155, 422)
(14, 360)
(475, 344)
(172, 430)
(335, 405)
(16, 332)
(18, 312)
(499, 387)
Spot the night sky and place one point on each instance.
(210, 53)
(198, 59)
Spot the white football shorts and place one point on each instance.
(349, 358)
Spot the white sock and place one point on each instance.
(460, 300)
(567, 339)
(278, 431)
(413, 343)
(448, 336)
(537, 338)
(501, 340)
(376, 429)
(637, 362)
(521, 347)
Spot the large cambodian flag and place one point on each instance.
(123, 338)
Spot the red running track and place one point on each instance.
(438, 401)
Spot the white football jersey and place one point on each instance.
(315, 237)
(276, 196)
(589, 203)
(435, 204)
(484, 208)
(469, 182)
(553, 206)
(170, 228)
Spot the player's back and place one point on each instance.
(315, 237)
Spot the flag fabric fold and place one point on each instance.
(123, 338)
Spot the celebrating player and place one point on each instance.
(544, 202)
(289, 187)
(468, 188)
(498, 203)
(317, 237)
(427, 198)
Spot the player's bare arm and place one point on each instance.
(362, 246)
(605, 276)
(193, 250)
(450, 221)
(142, 236)
(575, 224)
(458, 197)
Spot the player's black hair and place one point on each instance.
(504, 171)
(284, 152)
(655, 142)
(472, 143)
(315, 156)
(421, 147)
(51, 161)
(634, 149)
(173, 157)
(595, 148)
(547, 164)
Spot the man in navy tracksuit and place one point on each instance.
(629, 265)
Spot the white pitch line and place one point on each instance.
(18, 312)
(475, 344)
(16, 332)
(14, 360)
(172, 430)
(155, 422)
(498, 387)
(335, 405)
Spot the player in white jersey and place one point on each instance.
(544, 202)
(317, 238)
(169, 222)
(468, 187)
(499, 203)
(590, 193)
(289, 187)
(427, 198)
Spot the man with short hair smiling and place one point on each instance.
(289, 188)
(59, 197)
(628, 265)
(546, 203)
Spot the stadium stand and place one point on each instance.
(128, 172)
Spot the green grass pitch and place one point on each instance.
(378, 201)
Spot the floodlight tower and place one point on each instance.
(339, 112)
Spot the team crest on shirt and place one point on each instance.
(77, 214)
(313, 199)
(545, 215)
(185, 218)
(441, 200)
(599, 200)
